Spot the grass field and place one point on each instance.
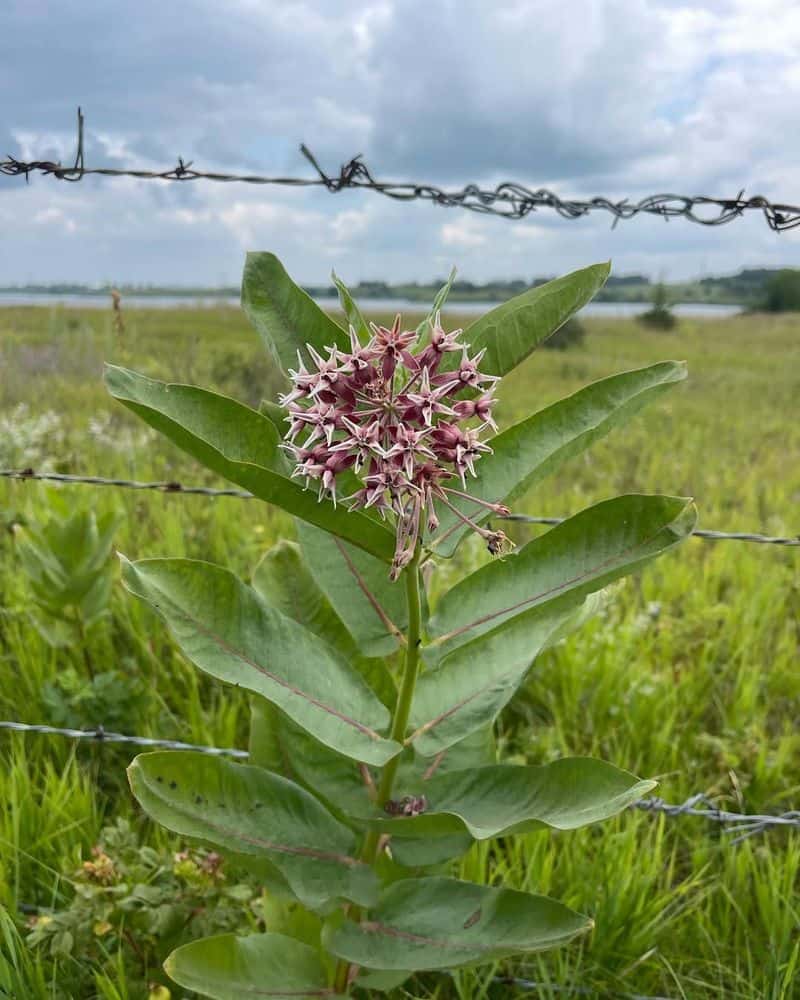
(691, 674)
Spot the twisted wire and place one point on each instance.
(172, 486)
(699, 805)
(100, 735)
(509, 199)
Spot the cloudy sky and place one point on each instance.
(613, 97)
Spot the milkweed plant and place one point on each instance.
(372, 764)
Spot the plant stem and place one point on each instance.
(402, 712)
(410, 671)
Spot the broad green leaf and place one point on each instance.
(243, 446)
(285, 581)
(503, 799)
(425, 327)
(513, 329)
(228, 631)
(530, 450)
(443, 923)
(577, 557)
(281, 745)
(227, 967)
(352, 312)
(246, 809)
(478, 750)
(593, 605)
(285, 316)
(381, 980)
(348, 789)
(265, 745)
(372, 608)
(476, 681)
(426, 850)
(274, 412)
(269, 879)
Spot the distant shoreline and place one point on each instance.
(421, 299)
(100, 301)
(746, 289)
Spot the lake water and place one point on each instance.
(608, 309)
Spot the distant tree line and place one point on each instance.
(771, 289)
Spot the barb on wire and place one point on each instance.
(171, 486)
(742, 824)
(508, 200)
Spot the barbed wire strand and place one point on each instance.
(509, 199)
(101, 735)
(172, 486)
(742, 824)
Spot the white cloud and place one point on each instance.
(630, 98)
(464, 234)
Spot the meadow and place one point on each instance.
(690, 674)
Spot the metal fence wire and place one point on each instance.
(509, 199)
(173, 487)
(741, 825)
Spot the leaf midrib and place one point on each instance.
(238, 654)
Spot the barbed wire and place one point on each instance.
(100, 735)
(172, 486)
(509, 199)
(744, 825)
(167, 486)
(708, 533)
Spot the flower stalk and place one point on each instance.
(411, 665)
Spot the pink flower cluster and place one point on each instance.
(391, 416)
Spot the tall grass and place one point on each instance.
(690, 674)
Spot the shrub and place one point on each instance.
(783, 292)
(660, 316)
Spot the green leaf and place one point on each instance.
(515, 328)
(593, 605)
(275, 413)
(490, 627)
(285, 581)
(577, 557)
(281, 745)
(442, 923)
(351, 310)
(425, 327)
(504, 799)
(348, 789)
(426, 851)
(530, 450)
(243, 446)
(285, 316)
(228, 631)
(266, 745)
(476, 681)
(381, 980)
(372, 608)
(246, 809)
(227, 967)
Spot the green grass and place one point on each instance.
(690, 675)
